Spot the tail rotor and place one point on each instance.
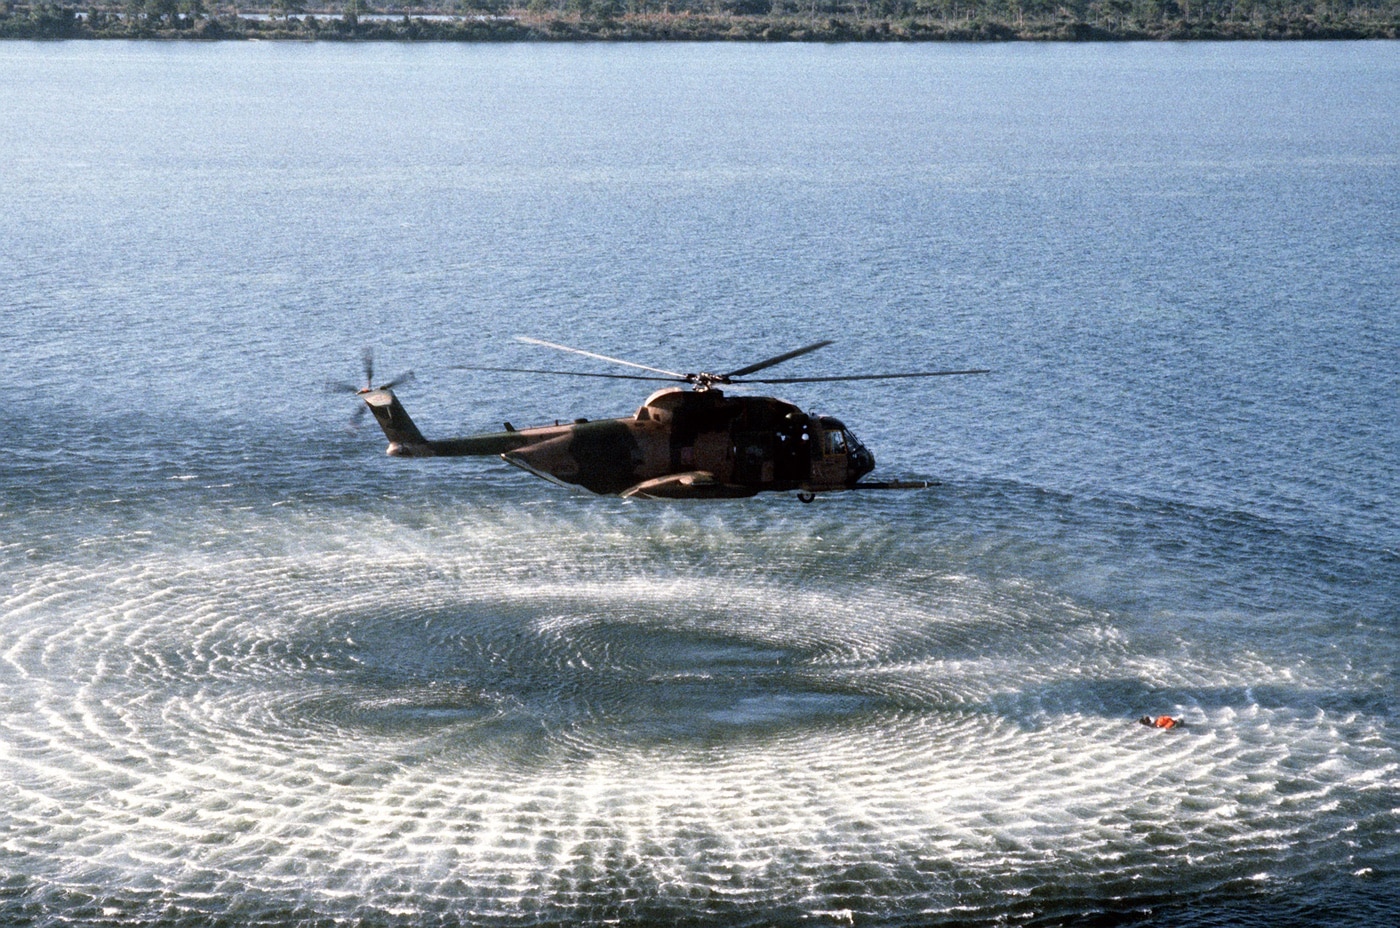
(336, 386)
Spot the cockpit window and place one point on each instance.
(833, 435)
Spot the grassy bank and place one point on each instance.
(713, 20)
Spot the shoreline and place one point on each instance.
(55, 21)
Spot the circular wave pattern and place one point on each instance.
(628, 714)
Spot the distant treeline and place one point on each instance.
(695, 20)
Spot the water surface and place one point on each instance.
(254, 672)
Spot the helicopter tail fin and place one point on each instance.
(404, 438)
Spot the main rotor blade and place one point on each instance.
(600, 357)
(755, 368)
(531, 370)
(862, 377)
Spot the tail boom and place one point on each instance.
(407, 442)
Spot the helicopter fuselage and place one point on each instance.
(678, 444)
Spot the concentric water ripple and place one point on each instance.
(628, 715)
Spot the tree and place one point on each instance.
(162, 10)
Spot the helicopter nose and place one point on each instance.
(861, 460)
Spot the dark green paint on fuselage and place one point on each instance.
(607, 453)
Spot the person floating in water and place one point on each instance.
(1162, 721)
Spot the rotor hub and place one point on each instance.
(706, 381)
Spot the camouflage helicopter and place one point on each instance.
(681, 443)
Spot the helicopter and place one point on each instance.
(696, 443)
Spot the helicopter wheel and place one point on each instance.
(805, 496)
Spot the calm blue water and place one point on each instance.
(254, 672)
